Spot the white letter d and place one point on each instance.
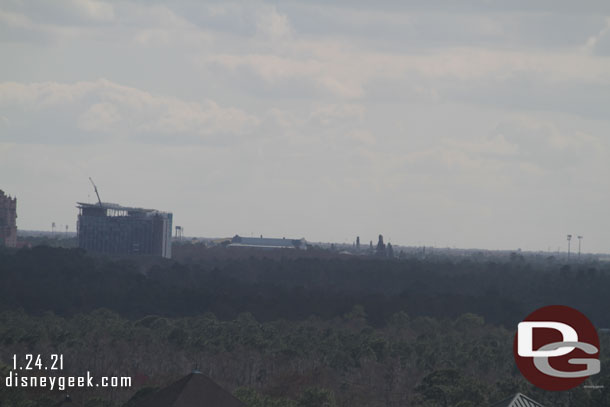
(526, 338)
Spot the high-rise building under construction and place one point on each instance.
(118, 230)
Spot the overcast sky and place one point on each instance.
(484, 124)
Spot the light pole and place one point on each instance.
(569, 238)
(579, 242)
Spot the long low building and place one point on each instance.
(268, 243)
(118, 230)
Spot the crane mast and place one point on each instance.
(98, 195)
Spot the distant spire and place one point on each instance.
(381, 248)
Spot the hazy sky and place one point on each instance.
(480, 125)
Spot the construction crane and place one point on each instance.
(98, 195)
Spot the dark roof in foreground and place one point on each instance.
(518, 400)
(194, 390)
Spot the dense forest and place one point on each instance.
(293, 330)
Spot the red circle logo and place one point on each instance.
(556, 348)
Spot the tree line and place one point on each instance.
(292, 331)
(68, 281)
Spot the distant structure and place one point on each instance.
(357, 242)
(268, 243)
(569, 237)
(114, 229)
(8, 220)
(179, 232)
(380, 251)
(390, 251)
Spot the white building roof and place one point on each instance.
(518, 400)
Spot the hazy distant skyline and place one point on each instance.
(481, 125)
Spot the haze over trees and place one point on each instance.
(292, 331)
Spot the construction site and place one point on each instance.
(113, 229)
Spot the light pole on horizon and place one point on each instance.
(569, 238)
(579, 242)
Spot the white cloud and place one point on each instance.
(346, 72)
(544, 145)
(333, 113)
(99, 116)
(110, 110)
(273, 24)
(600, 43)
(15, 19)
(91, 9)
(279, 70)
